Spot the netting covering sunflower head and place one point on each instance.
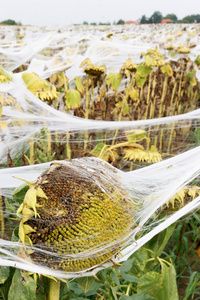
(105, 132)
(78, 213)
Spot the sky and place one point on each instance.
(66, 12)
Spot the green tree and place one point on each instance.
(173, 17)
(156, 17)
(144, 20)
(120, 22)
(189, 19)
(10, 22)
(85, 23)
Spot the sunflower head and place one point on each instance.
(79, 216)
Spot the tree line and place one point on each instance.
(156, 17)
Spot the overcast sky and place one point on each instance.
(65, 12)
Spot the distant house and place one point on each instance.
(131, 22)
(165, 21)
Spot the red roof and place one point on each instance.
(164, 21)
(131, 22)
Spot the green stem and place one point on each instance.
(54, 290)
(87, 100)
(68, 149)
(161, 107)
(1, 217)
(125, 98)
(31, 143)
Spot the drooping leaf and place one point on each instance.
(135, 135)
(160, 286)
(114, 80)
(33, 81)
(102, 150)
(134, 94)
(23, 286)
(3, 72)
(167, 69)
(73, 99)
(85, 283)
(4, 273)
(79, 85)
(143, 70)
(140, 81)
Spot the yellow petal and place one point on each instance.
(30, 199)
(28, 229)
(40, 193)
(3, 126)
(22, 234)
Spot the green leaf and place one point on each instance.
(19, 192)
(167, 69)
(75, 287)
(143, 70)
(4, 273)
(137, 297)
(97, 150)
(140, 257)
(85, 283)
(160, 286)
(193, 283)
(79, 85)
(197, 60)
(23, 287)
(115, 278)
(135, 135)
(73, 99)
(150, 284)
(148, 60)
(93, 291)
(3, 72)
(126, 266)
(114, 293)
(131, 278)
(158, 242)
(169, 290)
(140, 80)
(114, 80)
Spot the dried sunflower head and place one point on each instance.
(93, 70)
(76, 216)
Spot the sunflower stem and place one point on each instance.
(54, 290)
